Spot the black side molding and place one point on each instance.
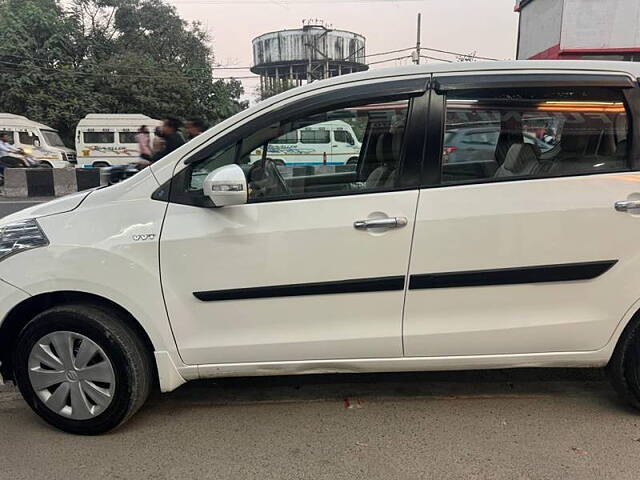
(382, 284)
(512, 276)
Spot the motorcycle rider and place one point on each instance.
(7, 154)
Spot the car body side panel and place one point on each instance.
(101, 249)
(519, 224)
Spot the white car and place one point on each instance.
(209, 265)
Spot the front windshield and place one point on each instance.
(52, 138)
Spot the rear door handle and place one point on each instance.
(393, 222)
(626, 205)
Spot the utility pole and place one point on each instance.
(417, 54)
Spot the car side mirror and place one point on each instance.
(36, 143)
(226, 186)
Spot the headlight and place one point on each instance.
(21, 235)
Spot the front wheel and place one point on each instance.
(81, 369)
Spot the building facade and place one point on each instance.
(579, 29)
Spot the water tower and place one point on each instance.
(313, 52)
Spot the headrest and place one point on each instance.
(384, 148)
(519, 157)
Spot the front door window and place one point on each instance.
(293, 158)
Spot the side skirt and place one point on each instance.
(598, 358)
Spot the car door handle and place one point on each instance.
(626, 205)
(393, 222)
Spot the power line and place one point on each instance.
(389, 60)
(436, 58)
(389, 52)
(113, 75)
(459, 54)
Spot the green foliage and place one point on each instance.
(107, 56)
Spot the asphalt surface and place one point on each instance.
(518, 424)
(502, 424)
(9, 206)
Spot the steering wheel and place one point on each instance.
(265, 179)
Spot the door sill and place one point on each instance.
(598, 358)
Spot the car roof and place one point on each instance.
(629, 69)
(600, 66)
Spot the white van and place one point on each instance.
(103, 140)
(327, 143)
(204, 266)
(38, 140)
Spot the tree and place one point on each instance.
(107, 56)
(37, 71)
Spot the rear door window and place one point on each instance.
(534, 132)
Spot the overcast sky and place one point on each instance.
(486, 26)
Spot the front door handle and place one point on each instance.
(393, 222)
(626, 205)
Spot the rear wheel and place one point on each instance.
(81, 369)
(100, 164)
(352, 161)
(624, 366)
(46, 164)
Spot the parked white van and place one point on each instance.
(38, 140)
(103, 140)
(327, 143)
(207, 265)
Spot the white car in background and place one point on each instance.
(104, 139)
(208, 265)
(41, 142)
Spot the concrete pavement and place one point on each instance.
(474, 425)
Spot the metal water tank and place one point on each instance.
(307, 54)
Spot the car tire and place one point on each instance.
(624, 367)
(352, 161)
(113, 384)
(100, 165)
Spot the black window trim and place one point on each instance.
(469, 81)
(432, 167)
(174, 191)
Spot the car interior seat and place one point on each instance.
(387, 156)
(522, 159)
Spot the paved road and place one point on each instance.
(519, 424)
(9, 206)
(538, 424)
